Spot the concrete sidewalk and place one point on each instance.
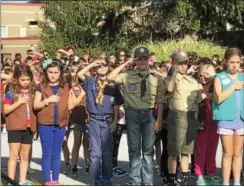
(82, 178)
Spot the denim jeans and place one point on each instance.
(141, 138)
(101, 150)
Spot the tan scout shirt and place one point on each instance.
(186, 94)
(132, 89)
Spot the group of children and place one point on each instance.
(53, 96)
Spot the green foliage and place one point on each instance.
(203, 48)
(111, 26)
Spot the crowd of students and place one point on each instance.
(194, 101)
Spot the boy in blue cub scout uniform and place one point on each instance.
(103, 101)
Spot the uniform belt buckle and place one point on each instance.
(102, 118)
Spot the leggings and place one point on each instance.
(51, 141)
(116, 140)
(76, 148)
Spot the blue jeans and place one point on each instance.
(101, 150)
(52, 137)
(141, 138)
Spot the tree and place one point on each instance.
(121, 24)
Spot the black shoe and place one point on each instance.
(185, 179)
(74, 171)
(165, 180)
(87, 170)
(172, 180)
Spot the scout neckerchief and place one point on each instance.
(101, 84)
(143, 83)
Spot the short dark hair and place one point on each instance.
(28, 58)
(29, 51)
(17, 54)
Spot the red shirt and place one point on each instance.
(34, 58)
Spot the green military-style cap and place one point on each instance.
(141, 52)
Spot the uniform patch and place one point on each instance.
(142, 50)
(132, 87)
(226, 81)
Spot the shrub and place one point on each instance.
(203, 48)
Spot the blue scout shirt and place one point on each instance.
(112, 96)
(55, 90)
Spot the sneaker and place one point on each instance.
(74, 171)
(173, 180)
(201, 182)
(31, 171)
(165, 180)
(67, 168)
(212, 181)
(118, 172)
(87, 170)
(132, 184)
(107, 183)
(50, 183)
(185, 179)
(26, 183)
(96, 183)
(55, 183)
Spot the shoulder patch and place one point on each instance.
(132, 87)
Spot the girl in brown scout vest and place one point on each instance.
(21, 121)
(52, 101)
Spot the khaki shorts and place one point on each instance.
(181, 132)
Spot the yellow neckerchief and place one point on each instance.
(101, 84)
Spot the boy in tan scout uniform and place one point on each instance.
(142, 90)
(181, 119)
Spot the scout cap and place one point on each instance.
(179, 56)
(141, 52)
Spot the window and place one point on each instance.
(4, 31)
(33, 24)
(22, 31)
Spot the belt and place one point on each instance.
(141, 110)
(100, 117)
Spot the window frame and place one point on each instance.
(6, 31)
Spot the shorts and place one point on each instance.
(181, 132)
(20, 136)
(223, 131)
(79, 127)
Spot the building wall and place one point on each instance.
(17, 21)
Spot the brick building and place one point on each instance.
(19, 27)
